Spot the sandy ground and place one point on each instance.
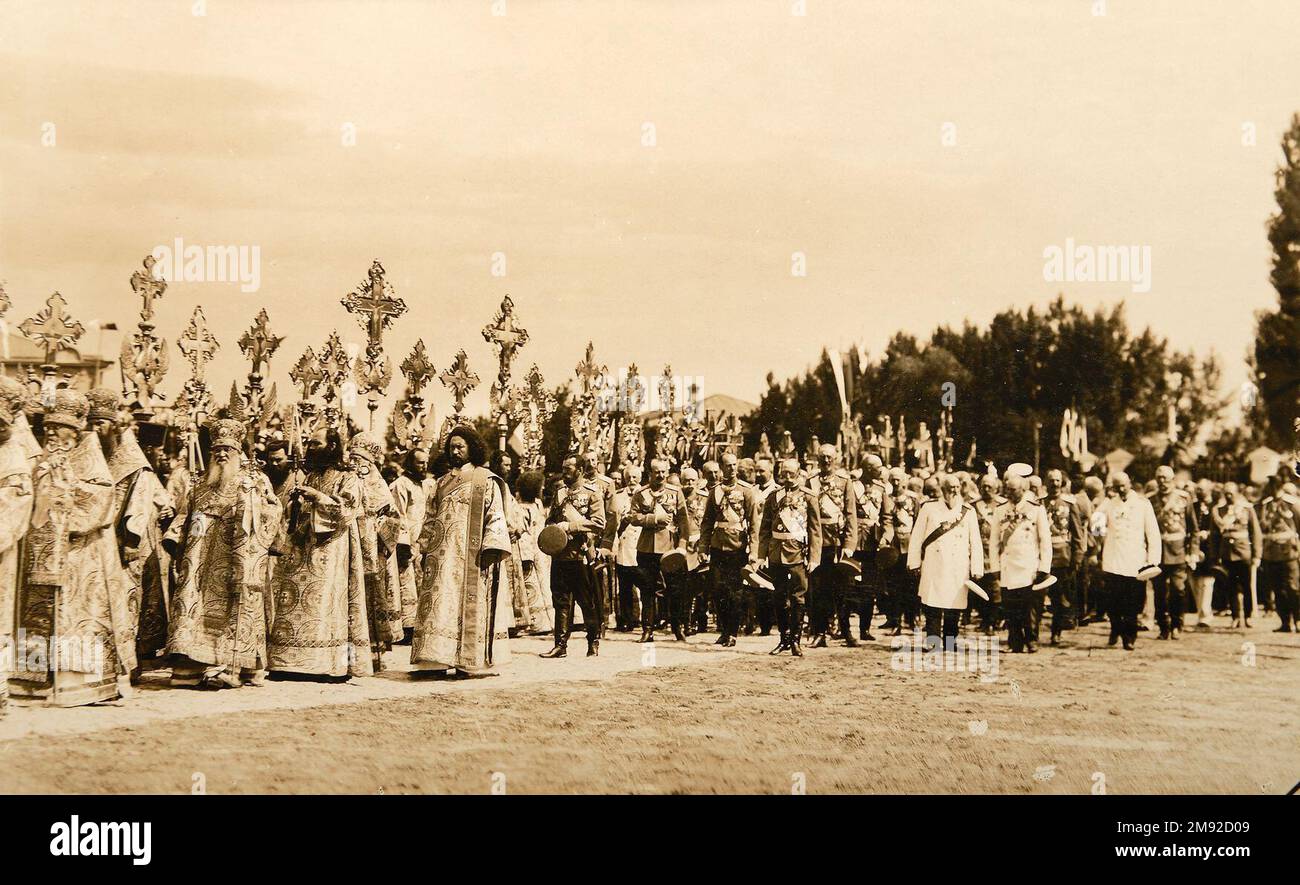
(1211, 713)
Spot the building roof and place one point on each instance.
(716, 404)
(23, 351)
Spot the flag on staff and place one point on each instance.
(837, 367)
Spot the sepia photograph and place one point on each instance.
(895, 402)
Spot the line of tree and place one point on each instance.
(1276, 357)
(1024, 369)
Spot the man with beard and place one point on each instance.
(837, 504)
(730, 531)
(409, 500)
(74, 604)
(141, 506)
(220, 610)
(945, 549)
(320, 628)
(578, 509)
(1069, 542)
(463, 616)
(378, 526)
(658, 511)
(278, 466)
(790, 540)
(1179, 542)
(1130, 543)
(15, 512)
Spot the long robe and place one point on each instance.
(220, 610)
(74, 603)
(15, 513)
(138, 497)
(319, 584)
(409, 505)
(379, 528)
(532, 600)
(464, 612)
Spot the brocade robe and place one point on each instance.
(408, 505)
(74, 602)
(15, 513)
(138, 496)
(463, 616)
(319, 584)
(220, 609)
(379, 527)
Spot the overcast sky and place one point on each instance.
(523, 134)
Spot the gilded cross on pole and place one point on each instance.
(376, 307)
(145, 357)
(306, 374)
(52, 328)
(374, 304)
(148, 286)
(460, 381)
(258, 345)
(335, 365)
(508, 336)
(419, 372)
(532, 406)
(197, 345)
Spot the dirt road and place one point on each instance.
(1211, 713)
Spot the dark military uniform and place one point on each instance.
(789, 537)
(573, 579)
(729, 528)
(904, 598)
(759, 602)
(991, 611)
(837, 505)
(875, 502)
(1239, 545)
(1178, 540)
(665, 523)
(605, 543)
(697, 582)
(1069, 542)
(1279, 520)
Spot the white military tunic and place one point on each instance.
(950, 559)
